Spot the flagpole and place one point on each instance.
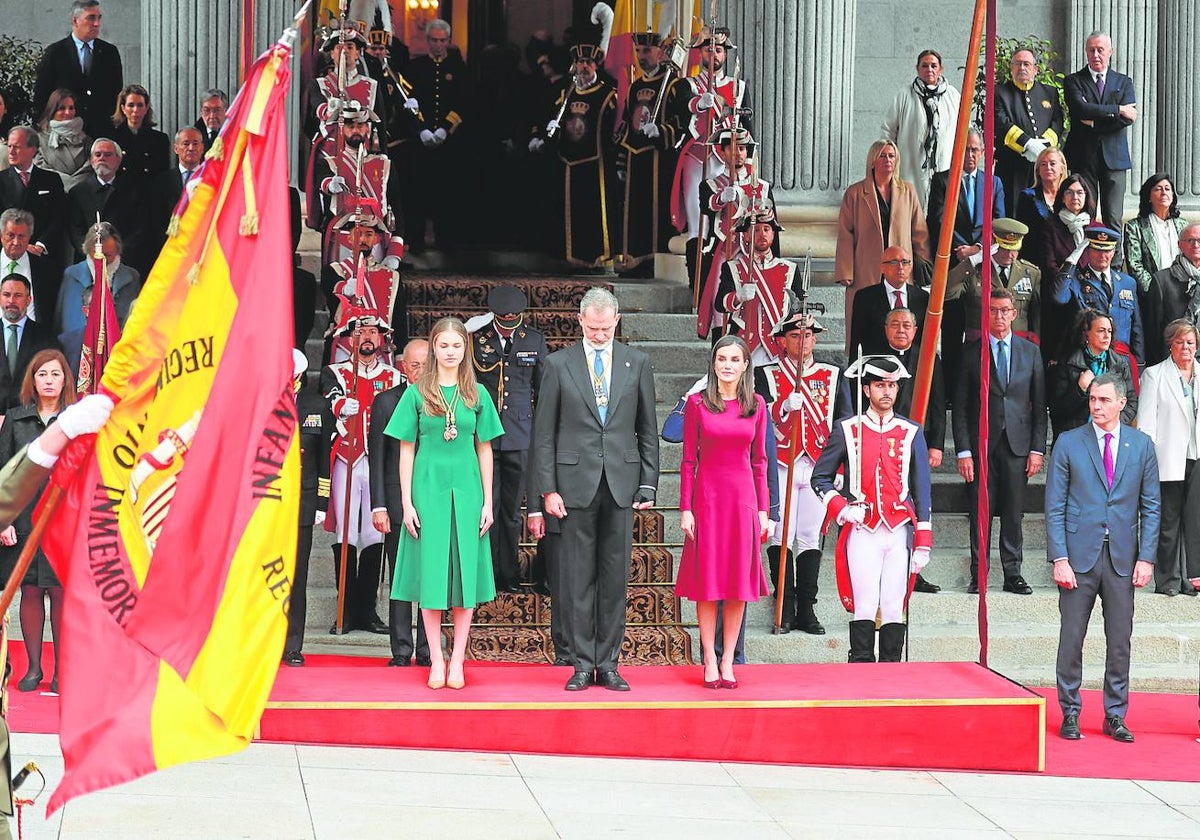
(343, 558)
(53, 495)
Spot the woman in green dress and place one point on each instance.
(445, 424)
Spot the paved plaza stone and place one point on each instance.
(297, 792)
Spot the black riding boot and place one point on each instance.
(862, 641)
(788, 620)
(808, 567)
(891, 642)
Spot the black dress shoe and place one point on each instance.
(808, 623)
(376, 625)
(923, 585)
(293, 658)
(1018, 585)
(347, 627)
(560, 661)
(30, 681)
(1115, 726)
(511, 588)
(1070, 728)
(579, 681)
(1191, 593)
(973, 588)
(611, 680)
(399, 662)
(1170, 592)
(424, 661)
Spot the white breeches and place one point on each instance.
(808, 512)
(879, 572)
(693, 176)
(362, 532)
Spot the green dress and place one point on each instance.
(449, 565)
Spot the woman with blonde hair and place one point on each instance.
(878, 212)
(1034, 205)
(46, 390)
(445, 424)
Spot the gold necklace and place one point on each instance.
(451, 431)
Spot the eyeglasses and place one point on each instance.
(1077, 193)
(1004, 310)
(902, 263)
(1191, 240)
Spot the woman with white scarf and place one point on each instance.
(64, 146)
(1073, 210)
(921, 121)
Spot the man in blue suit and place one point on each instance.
(1087, 280)
(1102, 104)
(1103, 479)
(968, 220)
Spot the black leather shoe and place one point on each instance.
(973, 588)
(923, 585)
(424, 661)
(611, 680)
(293, 658)
(1170, 592)
(579, 681)
(807, 622)
(30, 681)
(560, 661)
(1018, 586)
(1115, 726)
(1070, 728)
(511, 588)
(376, 625)
(399, 662)
(346, 628)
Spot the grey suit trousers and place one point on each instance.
(1075, 608)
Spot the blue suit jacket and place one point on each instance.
(1104, 143)
(1078, 288)
(1079, 505)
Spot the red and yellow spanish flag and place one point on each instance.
(176, 537)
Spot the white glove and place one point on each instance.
(440, 136)
(333, 107)
(427, 138)
(730, 194)
(350, 407)
(919, 560)
(391, 262)
(976, 259)
(552, 126)
(795, 402)
(746, 292)
(1073, 259)
(319, 518)
(337, 184)
(86, 416)
(650, 130)
(707, 100)
(1034, 146)
(536, 144)
(852, 514)
(412, 104)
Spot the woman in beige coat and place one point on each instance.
(862, 233)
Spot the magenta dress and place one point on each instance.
(723, 482)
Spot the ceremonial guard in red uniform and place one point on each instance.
(726, 201)
(884, 509)
(805, 398)
(351, 392)
(757, 288)
(699, 106)
(344, 83)
(647, 145)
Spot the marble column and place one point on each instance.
(1178, 129)
(189, 46)
(1133, 26)
(798, 58)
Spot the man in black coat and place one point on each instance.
(16, 257)
(213, 106)
(166, 187)
(1173, 294)
(87, 66)
(1016, 413)
(316, 434)
(873, 303)
(1029, 120)
(119, 200)
(40, 191)
(383, 456)
(23, 337)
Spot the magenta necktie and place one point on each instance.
(1108, 459)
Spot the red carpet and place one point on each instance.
(506, 699)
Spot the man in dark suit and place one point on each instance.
(27, 187)
(1029, 120)
(16, 232)
(508, 355)
(23, 337)
(1102, 483)
(166, 187)
(873, 303)
(383, 458)
(119, 200)
(87, 66)
(596, 459)
(1016, 413)
(968, 220)
(1102, 105)
(213, 106)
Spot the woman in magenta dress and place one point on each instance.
(723, 502)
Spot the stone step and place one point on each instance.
(662, 296)
(677, 356)
(646, 327)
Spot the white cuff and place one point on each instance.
(35, 453)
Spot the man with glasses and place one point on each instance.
(212, 115)
(1175, 293)
(873, 303)
(1087, 280)
(1016, 441)
(968, 221)
(1029, 120)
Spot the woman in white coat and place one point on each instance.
(921, 121)
(1167, 412)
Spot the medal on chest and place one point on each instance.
(451, 430)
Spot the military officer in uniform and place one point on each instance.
(1087, 280)
(508, 353)
(1023, 279)
(1029, 120)
(350, 394)
(808, 397)
(647, 144)
(316, 431)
